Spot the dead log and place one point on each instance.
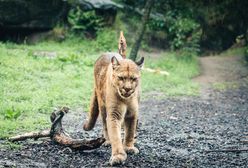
(57, 134)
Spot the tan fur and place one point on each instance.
(116, 94)
(122, 45)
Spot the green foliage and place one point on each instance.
(157, 24)
(184, 34)
(12, 113)
(87, 21)
(71, 58)
(128, 25)
(10, 145)
(182, 31)
(106, 40)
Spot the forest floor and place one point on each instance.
(172, 132)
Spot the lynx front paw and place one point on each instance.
(131, 150)
(117, 159)
(107, 143)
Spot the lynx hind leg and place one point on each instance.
(104, 124)
(93, 113)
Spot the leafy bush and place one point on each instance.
(185, 34)
(81, 20)
(157, 24)
(12, 113)
(106, 40)
(182, 31)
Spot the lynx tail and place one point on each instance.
(93, 113)
(122, 46)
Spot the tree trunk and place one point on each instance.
(141, 30)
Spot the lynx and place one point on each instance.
(116, 97)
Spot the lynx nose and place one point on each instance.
(127, 89)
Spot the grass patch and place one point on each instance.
(181, 69)
(234, 52)
(37, 78)
(31, 86)
(10, 145)
(225, 86)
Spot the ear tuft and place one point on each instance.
(140, 63)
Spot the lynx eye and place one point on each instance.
(133, 78)
(120, 78)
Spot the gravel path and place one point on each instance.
(172, 132)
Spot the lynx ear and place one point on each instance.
(140, 63)
(114, 62)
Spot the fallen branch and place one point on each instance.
(57, 134)
(30, 135)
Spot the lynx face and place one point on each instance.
(126, 76)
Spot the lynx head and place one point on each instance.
(126, 76)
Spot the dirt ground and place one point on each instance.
(172, 132)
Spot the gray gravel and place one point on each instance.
(172, 132)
